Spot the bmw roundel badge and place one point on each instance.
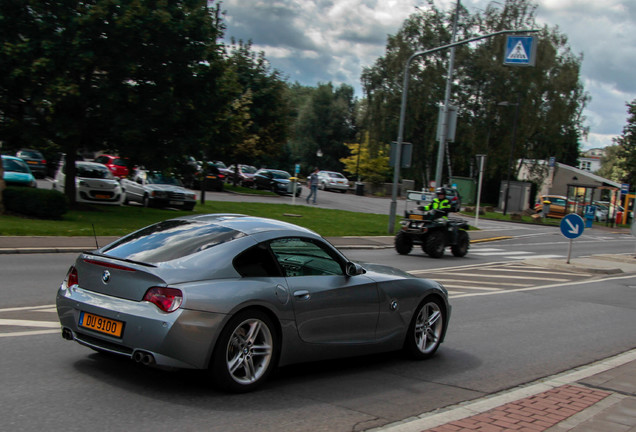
(106, 276)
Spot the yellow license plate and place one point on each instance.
(32, 162)
(101, 196)
(101, 324)
(212, 177)
(416, 217)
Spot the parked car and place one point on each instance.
(94, 183)
(240, 295)
(277, 181)
(329, 180)
(115, 164)
(35, 161)
(153, 189)
(245, 175)
(602, 211)
(558, 205)
(452, 195)
(17, 172)
(223, 169)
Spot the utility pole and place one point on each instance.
(444, 135)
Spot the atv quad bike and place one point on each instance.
(433, 233)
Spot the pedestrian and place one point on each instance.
(313, 185)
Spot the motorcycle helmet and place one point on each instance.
(440, 191)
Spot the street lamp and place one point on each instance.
(512, 148)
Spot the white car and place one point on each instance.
(329, 180)
(153, 189)
(94, 183)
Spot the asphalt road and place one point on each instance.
(503, 332)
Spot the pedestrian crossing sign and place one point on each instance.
(520, 51)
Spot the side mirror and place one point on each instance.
(354, 269)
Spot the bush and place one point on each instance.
(41, 203)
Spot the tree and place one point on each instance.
(136, 76)
(625, 169)
(325, 122)
(260, 131)
(611, 164)
(550, 94)
(362, 165)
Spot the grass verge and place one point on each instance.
(117, 221)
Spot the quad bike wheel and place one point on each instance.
(403, 243)
(435, 244)
(460, 249)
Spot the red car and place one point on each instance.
(115, 164)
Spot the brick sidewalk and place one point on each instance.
(532, 414)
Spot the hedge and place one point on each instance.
(41, 203)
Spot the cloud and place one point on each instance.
(333, 40)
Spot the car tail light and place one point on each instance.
(166, 299)
(71, 277)
(44, 161)
(221, 176)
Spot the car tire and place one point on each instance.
(403, 243)
(323, 187)
(145, 201)
(435, 244)
(463, 243)
(246, 352)
(426, 329)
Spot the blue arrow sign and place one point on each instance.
(520, 51)
(572, 226)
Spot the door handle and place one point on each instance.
(302, 294)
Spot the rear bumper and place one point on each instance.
(182, 339)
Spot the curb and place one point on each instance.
(573, 267)
(464, 410)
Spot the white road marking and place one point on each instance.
(27, 308)
(29, 323)
(29, 333)
(506, 253)
(537, 256)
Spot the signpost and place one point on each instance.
(633, 231)
(572, 226)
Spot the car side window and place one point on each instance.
(257, 261)
(303, 257)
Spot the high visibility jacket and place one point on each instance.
(438, 204)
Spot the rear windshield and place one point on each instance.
(169, 240)
(34, 154)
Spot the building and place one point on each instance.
(578, 185)
(591, 160)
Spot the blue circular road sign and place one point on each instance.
(572, 226)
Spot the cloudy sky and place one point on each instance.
(320, 41)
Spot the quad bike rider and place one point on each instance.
(433, 230)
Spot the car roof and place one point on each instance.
(248, 224)
(12, 157)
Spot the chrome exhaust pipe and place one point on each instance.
(147, 359)
(67, 334)
(144, 358)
